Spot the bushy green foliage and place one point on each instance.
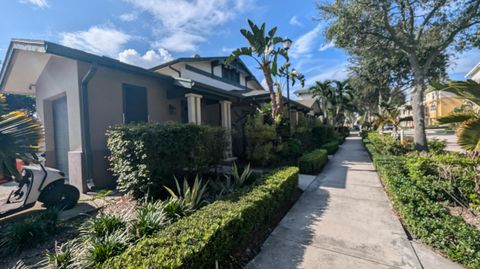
(447, 177)
(261, 140)
(23, 234)
(63, 256)
(313, 162)
(150, 218)
(331, 147)
(215, 231)
(437, 146)
(145, 157)
(425, 217)
(103, 225)
(322, 133)
(387, 145)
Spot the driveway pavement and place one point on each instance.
(344, 220)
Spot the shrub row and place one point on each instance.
(215, 231)
(313, 162)
(425, 218)
(146, 156)
(331, 147)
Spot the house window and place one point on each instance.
(135, 108)
(433, 108)
(230, 74)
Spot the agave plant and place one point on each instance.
(191, 197)
(468, 132)
(20, 135)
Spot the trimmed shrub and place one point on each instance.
(261, 139)
(145, 157)
(331, 147)
(313, 162)
(322, 133)
(215, 231)
(425, 218)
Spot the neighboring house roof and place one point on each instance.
(302, 91)
(42, 46)
(203, 59)
(474, 70)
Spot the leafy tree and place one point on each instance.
(264, 48)
(423, 32)
(342, 100)
(468, 133)
(19, 137)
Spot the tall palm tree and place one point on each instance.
(20, 135)
(343, 95)
(323, 92)
(468, 133)
(264, 49)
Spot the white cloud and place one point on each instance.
(305, 43)
(180, 42)
(336, 72)
(294, 21)
(184, 24)
(128, 17)
(464, 62)
(99, 40)
(38, 3)
(150, 59)
(327, 46)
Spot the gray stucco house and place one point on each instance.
(79, 95)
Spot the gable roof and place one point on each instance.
(43, 46)
(209, 59)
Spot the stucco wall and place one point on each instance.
(105, 97)
(58, 79)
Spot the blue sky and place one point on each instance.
(148, 32)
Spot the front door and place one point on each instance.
(60, 133)
(135, 107)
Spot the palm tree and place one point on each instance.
(468, 133)
(343, 95)
(20, 135)
(264, 50)
(390, 114)
(323, 92)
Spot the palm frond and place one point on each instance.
(469, 134)
(456, 117)
(468, 89)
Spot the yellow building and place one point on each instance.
(439, 104)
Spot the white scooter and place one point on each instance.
(39, 183)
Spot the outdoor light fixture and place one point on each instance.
(287, 43)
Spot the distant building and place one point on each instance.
(406, 111)
(305, 98)
(439, 104)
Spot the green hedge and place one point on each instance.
(215, 231)
(313, 162)
(145, 157)
(322, 133)
(331, 147)
(425, 218)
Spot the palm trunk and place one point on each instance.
(420, 137)
(273, 99)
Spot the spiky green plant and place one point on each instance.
(192, 197)
(468, 132)
(98, 250)
(20, 135)
(103, 225)
(150, 219)
(63, 255)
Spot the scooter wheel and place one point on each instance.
(61, 196)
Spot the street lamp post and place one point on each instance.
(287, 43)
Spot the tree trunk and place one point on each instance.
(419, 86)
(380, 100)
(273, 99)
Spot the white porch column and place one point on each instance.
(194, 105)
(226, 119)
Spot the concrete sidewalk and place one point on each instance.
(344, 220)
